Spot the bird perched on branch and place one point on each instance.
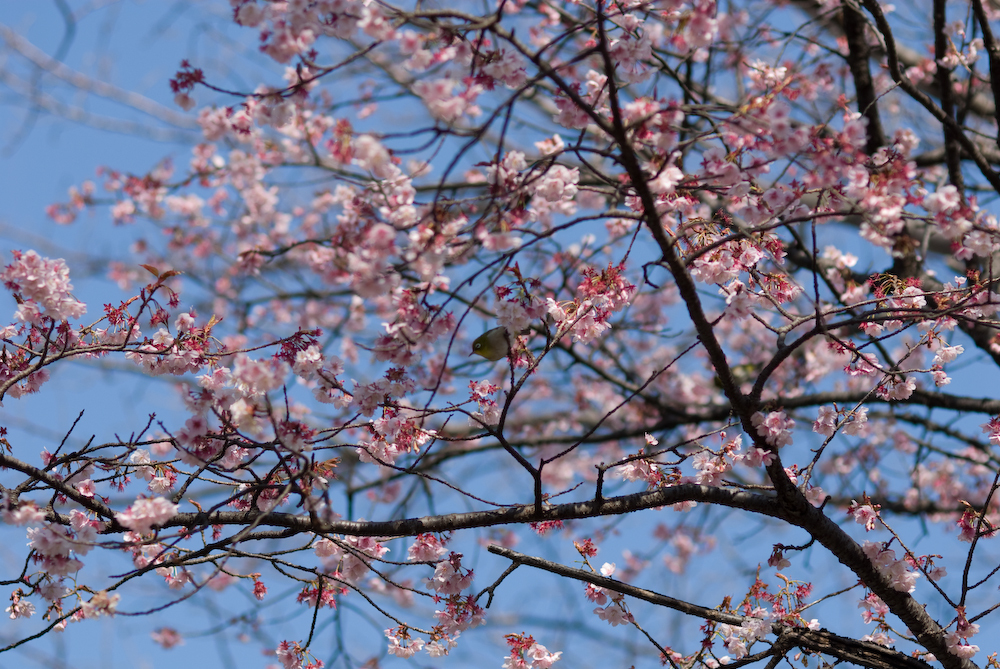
(492, 345)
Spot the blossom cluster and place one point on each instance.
(489, 410)
(526, 653)
(739, 638)
(143, 514)
(901, 572)
(775, 427)
(44, 288)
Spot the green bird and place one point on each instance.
(492, 345)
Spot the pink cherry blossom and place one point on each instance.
(775, 427)
(20, 608)
(614, 615)
(44, 285)
(426, 548)
(863, 514)
(448, 578)
(143, 514)
(168, 637)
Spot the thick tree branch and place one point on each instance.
(858, 57)
(817, 641)
(927, 631)
(524, 513)
(993, 52)
(951, 146)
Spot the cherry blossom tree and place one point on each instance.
(737, 252)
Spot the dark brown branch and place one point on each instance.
(858, 58)
(926, 630)
(993, 49)
(952, 151)
(918, 398)
(685, 284)
(524, 513)
(618, 586)
(817, 641)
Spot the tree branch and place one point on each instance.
(817, 641)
